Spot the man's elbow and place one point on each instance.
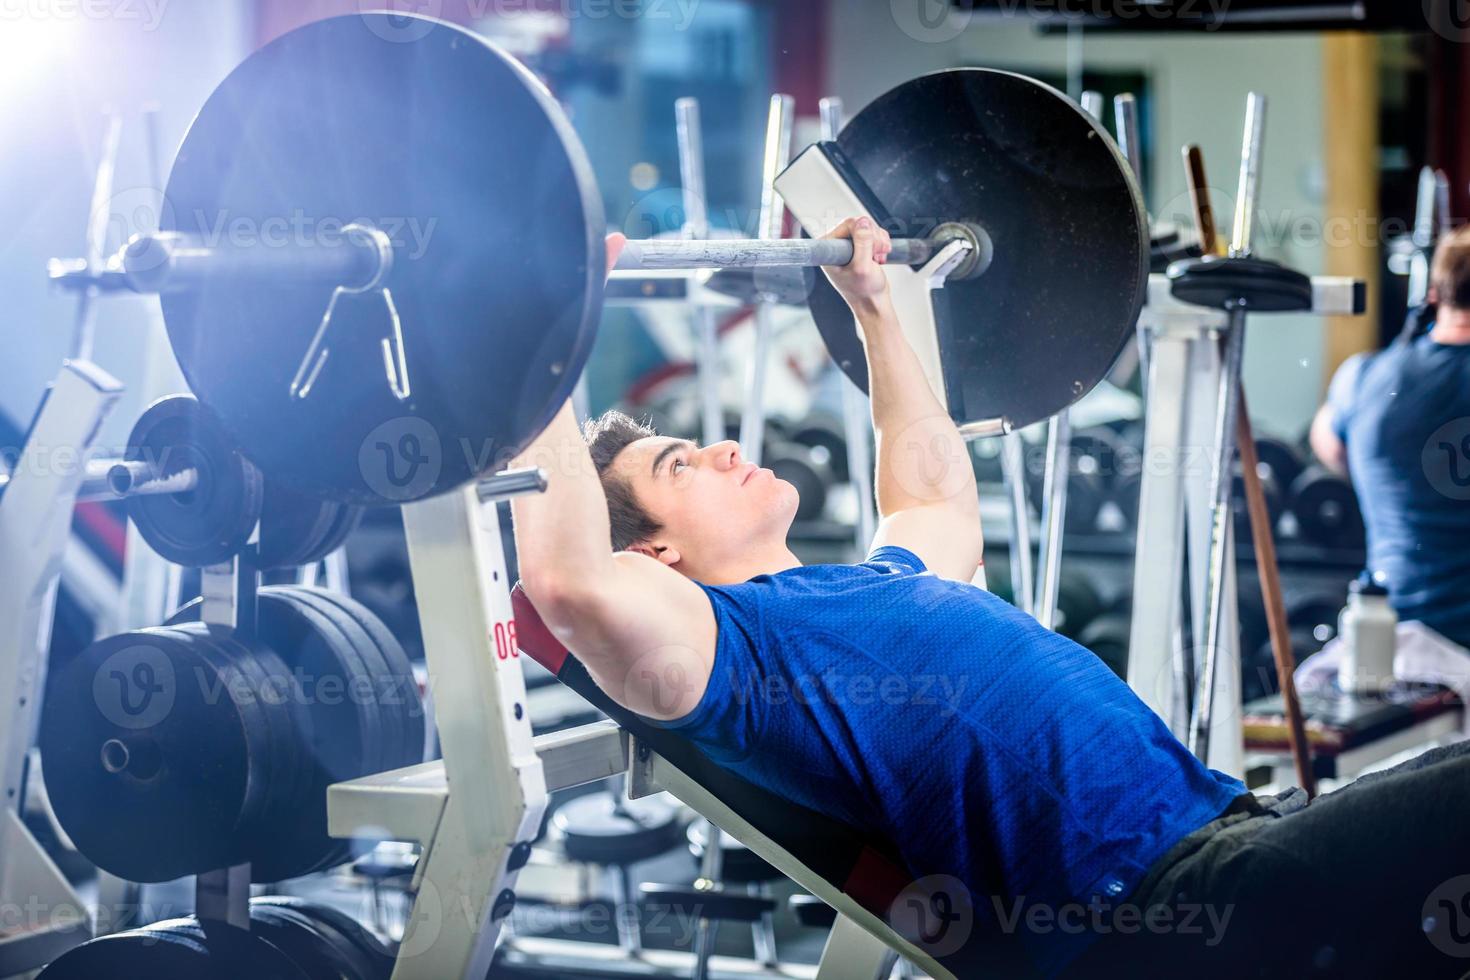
(560, 599)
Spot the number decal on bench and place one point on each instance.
(505, 640)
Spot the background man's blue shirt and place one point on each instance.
(936, 715)
(1387, 407)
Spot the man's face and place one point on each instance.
(714, 506)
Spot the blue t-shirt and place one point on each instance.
(934, 714)
(1404, 414)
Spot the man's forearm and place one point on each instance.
(562, 535)
(922, 460)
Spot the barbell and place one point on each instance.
(381, 260)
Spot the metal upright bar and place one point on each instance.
(1053, 512)
(777, 155)
(1228, 400)
(85, 324)
(696, 226)
(857, 419)
(1013, 465)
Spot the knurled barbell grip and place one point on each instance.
(735, 253)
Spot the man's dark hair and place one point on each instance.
(607, 435)
(1450, 271)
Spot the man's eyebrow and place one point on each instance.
(665, 452)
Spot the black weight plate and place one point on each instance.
(351, 666)
(462, 157)
(293, 525)
(313, 951)
(232, 952)
(347, 521)
(1281, 459)
(288, 777)
(402, 694)
(388, 732)
(1326, 509)
(212, 522)
(339, 738)
(825, 433)
(282, 708)
(1044, 324)
(1256, 284)
(244, 680)
(173, 809)
(329, 920)
(133, 955)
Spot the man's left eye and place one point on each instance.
(678, 463)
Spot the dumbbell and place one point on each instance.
(1280, 460)
(610, 831)
(1326, 509)
(1311, 622)
(1095, 459)
(1272, 491)
(1108, 634)
(826, 438)
(1078, 603)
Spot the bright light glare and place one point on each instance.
(27, 45)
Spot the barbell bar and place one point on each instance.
(162, 262)
(465, 254)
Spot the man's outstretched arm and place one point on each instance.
(644, 632)
(925, 484)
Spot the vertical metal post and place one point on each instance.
(1013, 465)
(711, 865)
(97, 224)
(856, 412)
(1228, 401)
(777, 155)
(696, 226)
(1053, 512)
(1092, 104)
(224, 896)
(1125, 112)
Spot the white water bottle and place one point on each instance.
(1367, 625)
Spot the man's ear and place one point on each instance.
(658, 552)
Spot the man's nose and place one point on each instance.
(725, 455)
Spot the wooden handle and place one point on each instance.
(1270, 575)
(1199, 201)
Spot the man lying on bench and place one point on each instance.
(897, 697)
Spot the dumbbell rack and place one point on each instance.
(1184, 369)
(35, 519)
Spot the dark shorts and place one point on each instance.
(1370, 881)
